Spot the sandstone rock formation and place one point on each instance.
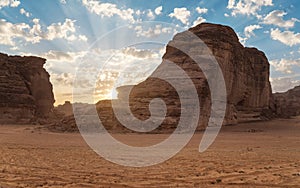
(66, 108)
(246, 74)
(287, 104)
(25, 92)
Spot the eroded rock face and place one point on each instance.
(287, 104)
(245, 70)
(25, 92)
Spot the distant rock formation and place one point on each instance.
(66, 108)
(287, 104)
(246, 73)
(25, 92)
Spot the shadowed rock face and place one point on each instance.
(245, 70)
(25, 92)
(287, 104)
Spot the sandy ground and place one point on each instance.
(267, 156)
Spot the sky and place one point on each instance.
(126, 39)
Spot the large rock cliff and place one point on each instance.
(245, 70)
(25, 92)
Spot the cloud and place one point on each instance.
(276, 18)
(247, 7)
(11, 3)
(108, 10)
(158, 10)
(285, 65)
(24, 12)
(283, 84)
(150, 14)
(249, 30)
(181, 14)
(286, 37)
(65, 79)
(138, 53)
(242, 40)
(152, 32)
(201, 10)
(9, 32)
(63, 56)
(61, 30)
(198, 21)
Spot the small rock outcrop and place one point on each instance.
(66, 108)
(25, 92)
(287, 104)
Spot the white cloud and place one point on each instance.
(181, 14)
(242, 40)
(158, 10)
(139, 53)
(150, 14)
(11, 3)
(153, 32)
(65, 79)
(63, 56)
(62, 30)
(14, 48)
(226, 15)
(198, 21)
(285, 65)
(286, 37)
(108, 10)
(82, 38)
(59, 56)
(276, 18)
(138, 12)
(63, 1)
(9, 32)
(283, 84)
(247, 7)
(24, 12)
(249, 30)
(201, 10)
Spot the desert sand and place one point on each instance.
(258, 154)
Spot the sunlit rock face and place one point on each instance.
(25, 92)
(287, 104)
(245, 70)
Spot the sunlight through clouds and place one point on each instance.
(65, 37)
